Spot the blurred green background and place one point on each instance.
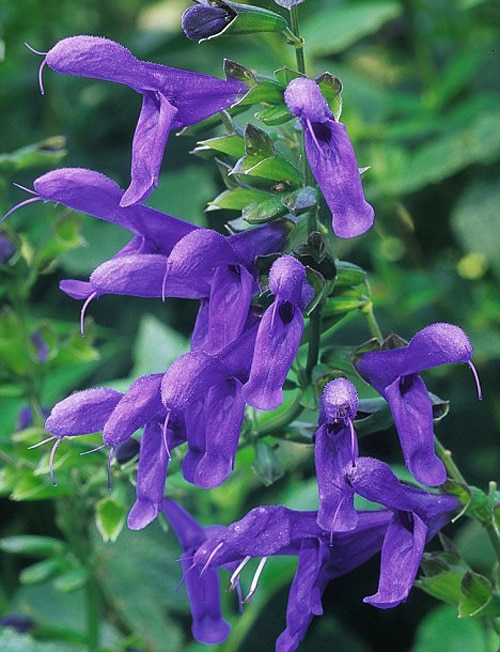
(422, 106)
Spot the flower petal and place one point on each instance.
(151, 476)
(83, 412)
(435, 345)
(139, 404)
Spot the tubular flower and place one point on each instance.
(205, 391)
(279, 334)
(172, 98)
(202, 585)
(332, 159)
(276, 530)
(394, 373)
(335, 446)
(417, 517)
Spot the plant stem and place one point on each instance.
(314, 341)
(299, 42)
(282, 420)
(447, 459)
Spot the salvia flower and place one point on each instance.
(394, 373)
(276, 530)
(279, 334)
(335, 446)
(172, 98)
(332, 159)
(417, 516)
(288, 4)
(202, 584)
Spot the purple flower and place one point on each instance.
(154, 234)
(335, 446)
(394, 373)
(417, 517)
(172, 98)
(202, 584)
(332, 159)
(279, 334)
(205, 390)
(276, 530)
(119, 416)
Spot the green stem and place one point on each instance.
(282, 420)
(93, 613)
(299, 41)
(451, 468)
(313, 341)
(367, 310)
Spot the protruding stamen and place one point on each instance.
(42, 66)
(313, 136)
(44, 441)
(164, 434)
(29, 190)
(108, 467)
(353, 442)
(211, 556)
(476, 378)
(236, 575)
(255, 580)
(83, 310)
(31, 200)
(51, 460)
(93, 450)
(164, 283)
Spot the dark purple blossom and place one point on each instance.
(205, 390)
(279, 334)
(172, 98)
(394, 373)
(276, 530)
(417, 516)
(205, 19)
(202, 584)
(332, 159)
(335, 446)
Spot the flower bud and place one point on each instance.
(210, 18)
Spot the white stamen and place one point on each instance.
(164, 435)
(255, 580)
(478, 382)
(108, 467)
(236, 575)
(83, 310)
(353, 442)
(212, 555)
(31, 200)
(41, 443)
(51, 460)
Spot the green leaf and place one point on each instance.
(110, 518)
(274, 168)
(300, 200)
(266, 464)
(476, 594)
(48, 152)
(11, 641)
(156, 347)
(476, 221)
(33, 546)
(263, 211)
(349, 274)
(72, 580)
(237, 198)
(274, 115)
(140, 573)
(266, 91)
(41, 571)
(258, 144)
(442, 631)
(232, 145)
(335, 28)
